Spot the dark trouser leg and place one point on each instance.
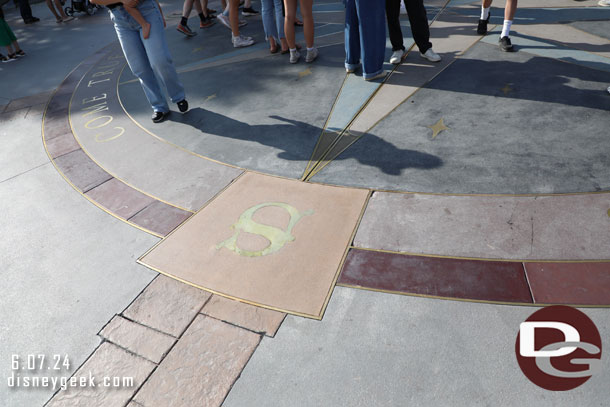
(392, 10)
(25, 10)
(419, 24)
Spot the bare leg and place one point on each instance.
(487, 3)
(306, 12)
(291, 10)
(510, 9)
(186, 8)
(61, 10)
(234, 16)
(16, 46)
(52, 8)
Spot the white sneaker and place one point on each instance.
(294, 57)
(224, 20)
(311, 55)
(242, 41)
(397, 56)
(431, 56)
(604, 3)
(608, 89)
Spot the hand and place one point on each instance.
(130, 3)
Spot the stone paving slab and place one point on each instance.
(569, 37)
(437, 277)
(145, 342)
(201, 368)
(270, 264)
(575, 283)
(60, 145)
(167, 305)
(120, 199)
(259, 320)
(108, 361)
(375, 349)
(82, 172)
(160, 218)
(572, 227)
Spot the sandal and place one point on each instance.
(298, 22)
(20, 53)
(59, 20)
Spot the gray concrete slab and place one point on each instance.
(18, 134)
(375, 349)
(517, 124)
(262, 114)
(67, 268)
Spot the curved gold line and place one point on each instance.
(52, 160)
(97, 163)
(435, 297)
(441, 256)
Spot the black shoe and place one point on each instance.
(482, 28)
(31, 20)
(183, 106)
(158, 117)
(505, 44)
(249, 11)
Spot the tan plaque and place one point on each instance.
(268, 241)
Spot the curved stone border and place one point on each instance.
(578, 284)
(88, 178)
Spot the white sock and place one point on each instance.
(506, 28)
(293, 50)
(485, 12)
(310, 49)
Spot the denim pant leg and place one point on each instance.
(352, 35)
(158, 52)
(371, 16)
(128, 32)
(268, 14)
(279, 18)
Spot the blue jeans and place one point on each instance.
(365, 35)
(273, 19)
(148, 59)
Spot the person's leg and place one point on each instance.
(419, 24)
(183, 24)
(392, 9)
(25, 10)
(352, 37)
(137, 59)
(509, 14)
(62, 13)
(247, 10)
(371, 16)
(58, 18)
(269, 25)
(484, 20)
(278, 10)
(160, 58)
(307, 13)
(234, 17)
(290, 8)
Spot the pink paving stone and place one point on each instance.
(260, 320)
(202, 366)
(119, 198)
(136, 338)
(60, 145)
(160, 217)
(570, 283)
(81, 171)
(167, 305)
(60, 101)
(107, 361)
(55, 126)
